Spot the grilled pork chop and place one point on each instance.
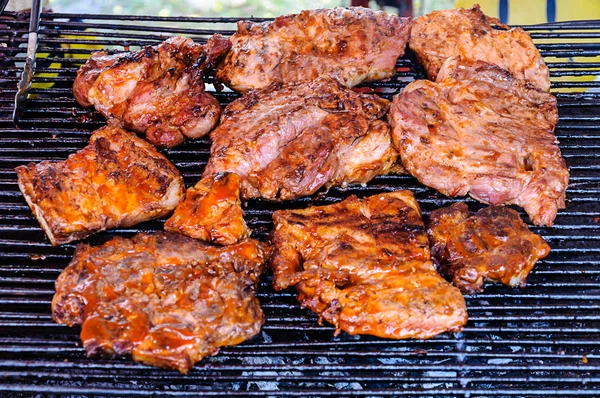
(288, 141)
(478, 130)
(165, 299)
(494, 244)
(157, 91)
(473, 36)
(211, 211)
(117, 180)
(364, 266)
(351, 45)
(89, 72)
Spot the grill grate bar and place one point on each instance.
(140, 28)
(322, 377)
(458, 392)
(308, 367)
(94, 37)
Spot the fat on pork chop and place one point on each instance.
(284, 142)
(494, 244)
(157, 92)
(364, 265)
(351, 45)
(165, 299)
(481, 131)
(473, 36)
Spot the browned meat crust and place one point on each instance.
(89, 72)
(494, 244)
(211, 211)
(117, 180)
(473, 36)
(351, 45)
(157, 91)
(483, 132)
(364, 265)
(165, 299)
(288, 141)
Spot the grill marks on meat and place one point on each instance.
(352, 45)
(288, 141)
(157, 91)
(339, 150)
(473, 36)
(211, 211)
(165, 299)
(117, 180)
(494, 244)
(89, 72)
(478, 130)
(364, 266)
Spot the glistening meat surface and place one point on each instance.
(157, 91)
(211, 211)
(494, 244)
(351, 45)
(480, 131)
(117, 180)
(364, 266)
(165, 299)
(287, 141)
(473, 36)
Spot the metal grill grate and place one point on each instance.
(540, 340)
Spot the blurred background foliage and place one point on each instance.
(223, 8)
(515, 11)
(204, 8)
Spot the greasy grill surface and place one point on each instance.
(540, 340)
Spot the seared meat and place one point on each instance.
(288, 141)
(494, 244)
(157, 91)
(473, 36)
(351, 45)
(483, 132)
(364, 265)
(211, 211)
(165, 299)
(89, 72)
(117, 180)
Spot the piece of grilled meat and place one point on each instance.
(89, 72)
(117, 180)
(494, 245)
(473, 36)
(364, 266)
(211, 211)
(157, 91)
(352, 45)
(483, 132)
(165, 299)
(288, 141)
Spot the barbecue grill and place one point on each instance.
(540, 340)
